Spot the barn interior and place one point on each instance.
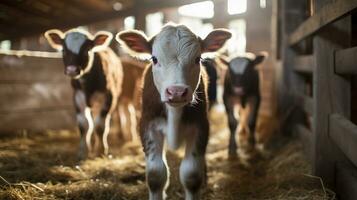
(39, 137)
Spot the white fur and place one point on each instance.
(176, 49)
(74, 41)
(88, 115)
(106, 133)
(239, 65)
(173, 127)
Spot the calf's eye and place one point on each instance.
(197, 60)
(154, 60)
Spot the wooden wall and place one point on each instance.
(34, 94)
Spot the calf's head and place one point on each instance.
(243, 72)
(176, 58)
(78, 48)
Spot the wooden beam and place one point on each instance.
(345, 61)
(332, 93)
(344, 133)
(304, 64)
(151, 6)
(308, 105)
(38, 120)
(28, 8)
(346, 181)
(29, 69)
(40, 95)
(325, 16)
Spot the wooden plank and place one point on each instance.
(31, 69)
(346, 181)
(308, 105)
(144, 7)
(345, 61)
(306, 136)
(17, 97)
(331, 94)
(38, 120)
(344, 133)
(325, 16)
(304, 64)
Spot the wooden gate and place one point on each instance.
(319, 63)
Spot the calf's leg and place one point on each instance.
(85, 124)
(102, 126)
(156, 167)
(193, 166)
(233, 124)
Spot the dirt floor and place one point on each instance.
(44, 166)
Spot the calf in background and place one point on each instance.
(241, 98)
(96, 78)
(129, 101)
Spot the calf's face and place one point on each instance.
(242, 71)
(77, 48)
(175, 53)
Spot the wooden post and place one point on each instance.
(292, 85)
(332, 94)
(140, 17)
(220, 14)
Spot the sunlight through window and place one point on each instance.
(129, 23)
(263, 3)
(237, 6)
(154, 22)
(202, 10)
(237, 44)
(197, 26)
(5, 45)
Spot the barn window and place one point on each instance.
(196, 25)
(237, 6)
(154, 22)
(263, 3)
(5, 45)
(129, 22)
(238, 41)
(201, 10)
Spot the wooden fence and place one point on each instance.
(35, 95)
(319, 64)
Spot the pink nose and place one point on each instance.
(176, 93)
(238, 90)
(72, 70)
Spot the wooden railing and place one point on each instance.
(331, 142)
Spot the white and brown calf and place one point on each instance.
(174, 103)
(129, 101)
(96, 78)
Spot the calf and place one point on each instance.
(210, 67)
(174, 103)
(129, 101)
(241, 98)
(96, 78)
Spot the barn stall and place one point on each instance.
(307, 92)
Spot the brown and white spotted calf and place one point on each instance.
(174, 103)
(96, 78)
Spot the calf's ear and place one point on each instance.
(135, 43)
(260, 57)
(102, 40)
(55, 38)
(215, 40)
